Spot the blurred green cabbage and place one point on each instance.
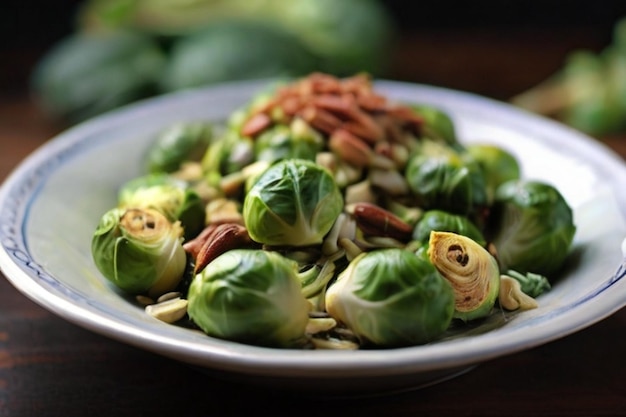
(123, 50)
(87, 74)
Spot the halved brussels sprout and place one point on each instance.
(140, 251)
(293, 203)
(250, 296)
(531, 227)
(177, 144)
(390, 298)
(173, 198)
(472, 271)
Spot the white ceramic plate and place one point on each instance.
(51, 203)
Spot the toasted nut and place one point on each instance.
(144, 300)
(320, 324)
(350, 148)
(194, 245)
(511, 296)
(256, 124)
(320, 119)
(390, 181)
(225, 237)
(376, 221)
(332, 343)
(169, 311)
(223, 210)
(168, 296)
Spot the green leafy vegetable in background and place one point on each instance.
(123, 50)
(89, 73)
(588, 92)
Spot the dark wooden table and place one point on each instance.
(49, 367)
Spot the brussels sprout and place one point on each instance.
(472, 271)
(250, 296)
(531, 227)
(140, 251)
(440, 179)
(390, 298)
(173, 198)
(182, 142)
(284, 142)
(498, 165)
(221, 52)
(293, 203)
(228, 154)
(442, 221)
(437, 125)
(87, 74)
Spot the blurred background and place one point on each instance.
(73, 59)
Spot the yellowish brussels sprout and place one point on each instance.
(472, 271)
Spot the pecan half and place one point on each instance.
(376, 221)
(214, 241)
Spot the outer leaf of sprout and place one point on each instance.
(443, 221)
(250, 296)
(390, 297)
(531, 227)
(472, 271)
(139, 251)
(293, 203)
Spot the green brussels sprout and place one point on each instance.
(221, 52)
(87, 74)
(173, 198)
(140, 251)
(440, 179)
(437, 125)
(498, 165)
(472, 271)
(391, 298)
(531, 227)
(442, 221)
(293, 203)
(250, 296)
(182, 142)
(284, 142)
(228, 154)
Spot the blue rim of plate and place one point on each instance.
(24, 184)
